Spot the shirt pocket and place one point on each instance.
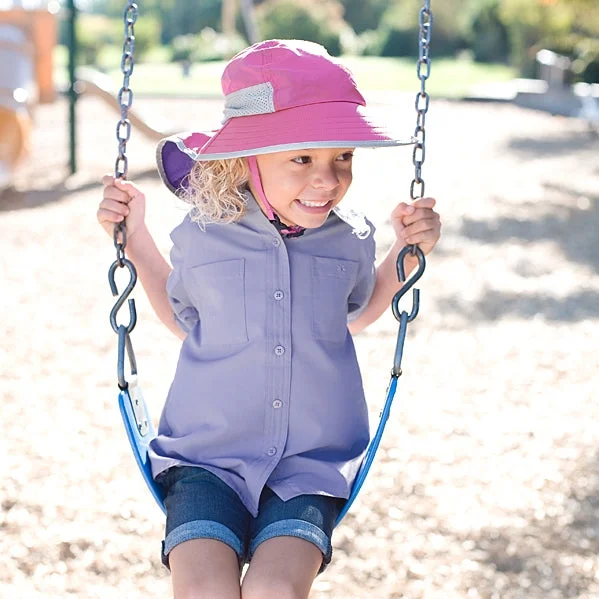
(218, 290)
(332, 283)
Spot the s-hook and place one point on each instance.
(403, 317)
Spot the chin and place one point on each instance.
(313, 223)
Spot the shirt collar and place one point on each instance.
(254, 211)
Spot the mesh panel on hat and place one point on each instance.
(249, 101)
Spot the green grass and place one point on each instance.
(449, 77)
(452, 78)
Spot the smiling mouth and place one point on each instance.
(313, 204)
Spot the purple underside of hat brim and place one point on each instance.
(175, 166)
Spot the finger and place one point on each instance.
(419, 214)
(128, 188)
(114, 206)
(402, 209)
(107, 180)
(422, 239)
(418, 229)
(424, 203)
(109, 216)
(116, 195)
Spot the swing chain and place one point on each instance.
(123, 134)
(422, 98)
(423, 70)
(125, 95)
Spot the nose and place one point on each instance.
(326, 178)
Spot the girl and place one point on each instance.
(265, 423)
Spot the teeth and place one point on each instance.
(313, 204)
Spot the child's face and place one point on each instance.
(303, 186)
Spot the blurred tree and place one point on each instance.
(176, 17)
(570, 27)
(94, 32)
(205, 46)
(318, 21)
(400, 24)
(486, 33)
(228, 13)
(248, 18)
(583, 42)
(180, 17)
(364, 15)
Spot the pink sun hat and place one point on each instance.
(279, 95)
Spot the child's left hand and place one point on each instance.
(417, 223)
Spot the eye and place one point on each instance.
(301, 159)
(346, 156)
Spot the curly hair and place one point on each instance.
(215, 189)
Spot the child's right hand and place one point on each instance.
(122, 200)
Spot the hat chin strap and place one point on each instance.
(257, 184)
(287, 230)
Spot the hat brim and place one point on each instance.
(174, 160)
(326, 125)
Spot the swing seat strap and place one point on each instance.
(371, 450)
(140, 432)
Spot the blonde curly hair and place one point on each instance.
(215, 189)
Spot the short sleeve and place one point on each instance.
(362, 291)
(186, 315)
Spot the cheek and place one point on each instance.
(345, 179)
(283, 187)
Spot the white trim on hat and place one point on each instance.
(293, 146)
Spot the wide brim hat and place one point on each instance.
(280, 95)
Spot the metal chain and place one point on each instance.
(123, 134)
(416, 188)
(123, 128)
(422, 98)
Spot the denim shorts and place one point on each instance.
(199, 505)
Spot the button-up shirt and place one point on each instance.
(267, 389)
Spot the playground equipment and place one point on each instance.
(94, 83)
(554, 93)
(27, 38)
(136, 418)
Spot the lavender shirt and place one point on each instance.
(267, 389)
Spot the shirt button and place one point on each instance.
(278, 295)
(277, 403)
(276, 242)
(272, 451)
(279, 350)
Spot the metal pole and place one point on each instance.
(72, 20)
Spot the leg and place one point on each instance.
(282, 568)
(204, 568)
(290, 543)
(206, 534)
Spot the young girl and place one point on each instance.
(265, 423)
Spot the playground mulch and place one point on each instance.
(487, 484)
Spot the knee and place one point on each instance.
(188, 592)
(273, 588)
(202, 592)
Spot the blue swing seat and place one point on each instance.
(370, 451)
(140, 432)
